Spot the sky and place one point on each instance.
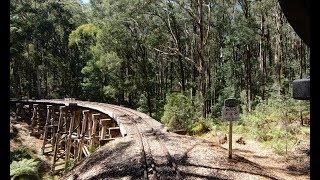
(85, 1)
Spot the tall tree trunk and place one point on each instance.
(248, 77)
(194, 56)
(166, 78)
(262, 57)
(17, 79)
(278, 50)
(177, 31)
(202, 65)
(270, 64)
(194, 80)
(209, 87)
(182, 74)
(161, 78)
(171, 76)
(302, 69)
(302, 56)
(245, 6)
(46, 84)
(39, 83)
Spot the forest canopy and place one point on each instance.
(138, 53)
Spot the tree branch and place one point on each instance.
(173, 36)
(193, 16)
(176, 52)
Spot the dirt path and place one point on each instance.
(295, 166)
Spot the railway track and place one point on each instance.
(157, 134)
(141, 141)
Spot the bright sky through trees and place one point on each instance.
(85, 1)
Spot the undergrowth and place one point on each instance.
(24, 169)
(25, 165)
(274, 122)
(20, 153)
(69, 165)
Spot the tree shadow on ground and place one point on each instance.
(300, 164)
(111, 162)
(295, 169)
(229, 169)
(255, 169)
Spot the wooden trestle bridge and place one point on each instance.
(70, 129)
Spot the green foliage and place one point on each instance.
(275, 109)
(85, 33)
(20, 153)
(69, 165)
(276, 122)
(134, 53)
(305, 130)
(109, 62)
(109, 91)
(92, 149)
(159, 109)
(197, 105)
(143, 106)
(200, 127)
(24, 154)
(178, 112)
(24, 169)
(39, 48)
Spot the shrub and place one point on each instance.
(24, 169)
(272, 122)
(178, 112)
(200, 127)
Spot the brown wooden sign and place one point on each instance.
(230, 110)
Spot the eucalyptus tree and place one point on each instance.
(40, 58)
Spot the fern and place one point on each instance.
(70, 165)
(24, 168)
(22, 152)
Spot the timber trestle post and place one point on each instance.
(46, 127)
(35, 121)
(59, 139)
(18, 111)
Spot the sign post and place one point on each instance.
(230, 112)
(230, 139)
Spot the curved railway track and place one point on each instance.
(152, 165)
